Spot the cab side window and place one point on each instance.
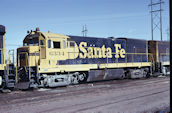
(56, 45)
(31, 42)
(36, 42)
(72, 44)
(49, 43)
(41, 42)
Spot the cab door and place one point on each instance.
(73, 50)
(42, 49)
(23, 59)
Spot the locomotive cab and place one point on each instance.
(39, 55)
(40, 49)
(28, 55)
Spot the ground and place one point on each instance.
(116, 96)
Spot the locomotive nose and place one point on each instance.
(28, 56)
(22, 54)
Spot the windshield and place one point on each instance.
(31, 42)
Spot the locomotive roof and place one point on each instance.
(53, 35)
(45, 35)
(122, 38)
(131, 38)
(85, 37)
(160, 41)
(142, 39)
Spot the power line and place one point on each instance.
(13, 45)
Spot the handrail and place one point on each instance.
(2, 56)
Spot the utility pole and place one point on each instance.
(84, 31)
(156, 12)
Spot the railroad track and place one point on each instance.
(105, 85)
(92, 105)
(129, 89)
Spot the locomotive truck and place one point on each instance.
(51, 60)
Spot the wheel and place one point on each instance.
(82, 77)
(122, 77)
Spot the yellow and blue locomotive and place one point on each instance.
(160, 52)
(50, 60)
(7, 69)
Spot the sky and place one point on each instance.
(103, 18)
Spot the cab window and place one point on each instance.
(31, 42)
(56, 45)
(49, 43)
(22, 56)
(72, 44)
(41, 42)
(36, 42)
(24, 44)
(64, 44)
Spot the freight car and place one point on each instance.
(50, 60)
(7, 70)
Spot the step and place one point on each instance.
(12, 75)
(10, 85)
(11, 81)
